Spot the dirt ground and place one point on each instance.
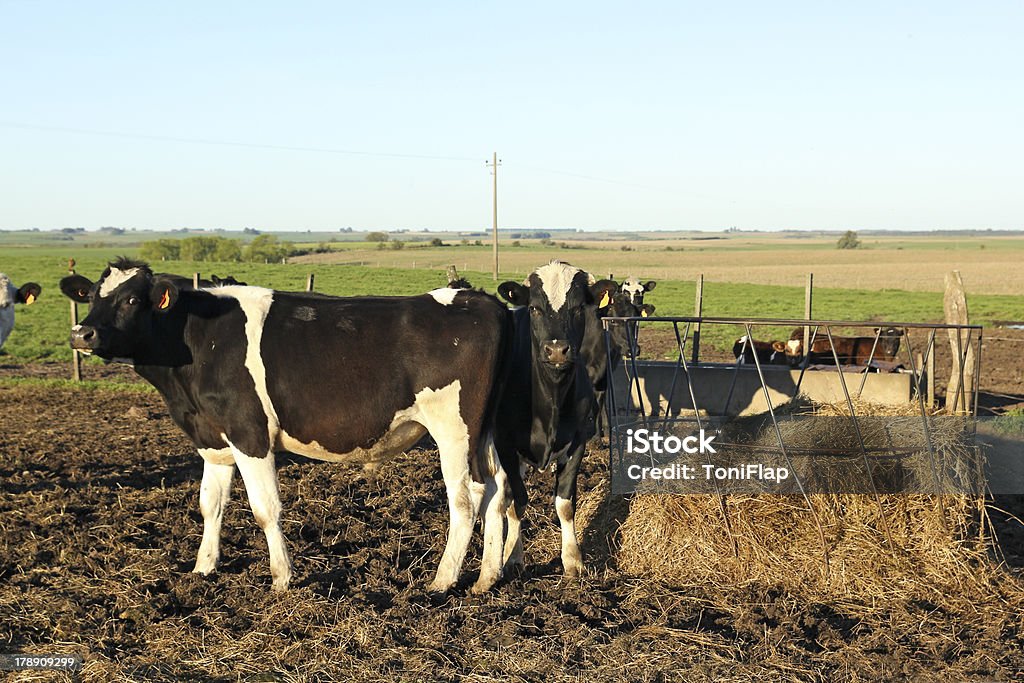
(99, 526)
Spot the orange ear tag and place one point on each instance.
(605, 300)
(165, 300)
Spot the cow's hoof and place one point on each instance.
(438, 587)
(484, 584)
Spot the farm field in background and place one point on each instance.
(733, 274)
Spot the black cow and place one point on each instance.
(546, 413)
(10, 295)
(247, 371)
(768, 353)
(612, 303)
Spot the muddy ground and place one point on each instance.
(99, 526)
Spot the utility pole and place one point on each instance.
(494, 163)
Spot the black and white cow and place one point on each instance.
(9, 296)
(247, 371)
(612, 302)
(547, 409)
(636, 289)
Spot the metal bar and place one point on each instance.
(867, 366)
(698, 309)
(782, 445)
(797, 322)
(860, 440)
(806, 361)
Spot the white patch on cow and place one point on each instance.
(8, 295)
(444, 295)
(115, 279)
(217, 456)
(633, 287)
(8, 292)
(6, 323)
(260, 477)
(793, 347)
(214, 493)
(255, 303)
(556, 279)
(492, 508)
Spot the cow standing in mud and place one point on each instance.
(546, 414)
(247, 371)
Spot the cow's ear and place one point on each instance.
(514, 293)
(76, 288)
(647, 310)
(28, 293)
(779, 346)
(164, 295)
(602, 292)
(649, 285)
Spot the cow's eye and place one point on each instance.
(534, 311)
(133, 301)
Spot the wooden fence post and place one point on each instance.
(808, 309)
(195, 280)
(309, 282)
(958, 394)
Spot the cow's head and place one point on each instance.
(122, 304)
(889, 341)
(558, 296)
(621, 337)
(635, 289)
(28, 293)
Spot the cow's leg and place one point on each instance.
(513, 555)
(493, 506)
(214, 493)
(260, 477)
(565, 506)
(461, 491)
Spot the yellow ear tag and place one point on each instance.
(643, 314)
(605, 300)
(30, 299)
(165, 300)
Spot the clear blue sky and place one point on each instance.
(674, 115)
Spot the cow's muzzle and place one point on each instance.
(558, 353)
(84, 338)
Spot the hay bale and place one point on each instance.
(843, 547)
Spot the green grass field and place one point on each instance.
(42, 329)
(41, 332)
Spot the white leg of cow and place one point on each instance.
(513, 540)
(493, 506)
(572, 558)
(458, 483)
(214, 493)
(260, 477)
(513, 535)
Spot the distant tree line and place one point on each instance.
(262, 249)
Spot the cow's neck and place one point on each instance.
(554, 407)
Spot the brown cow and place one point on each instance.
(850, 350)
